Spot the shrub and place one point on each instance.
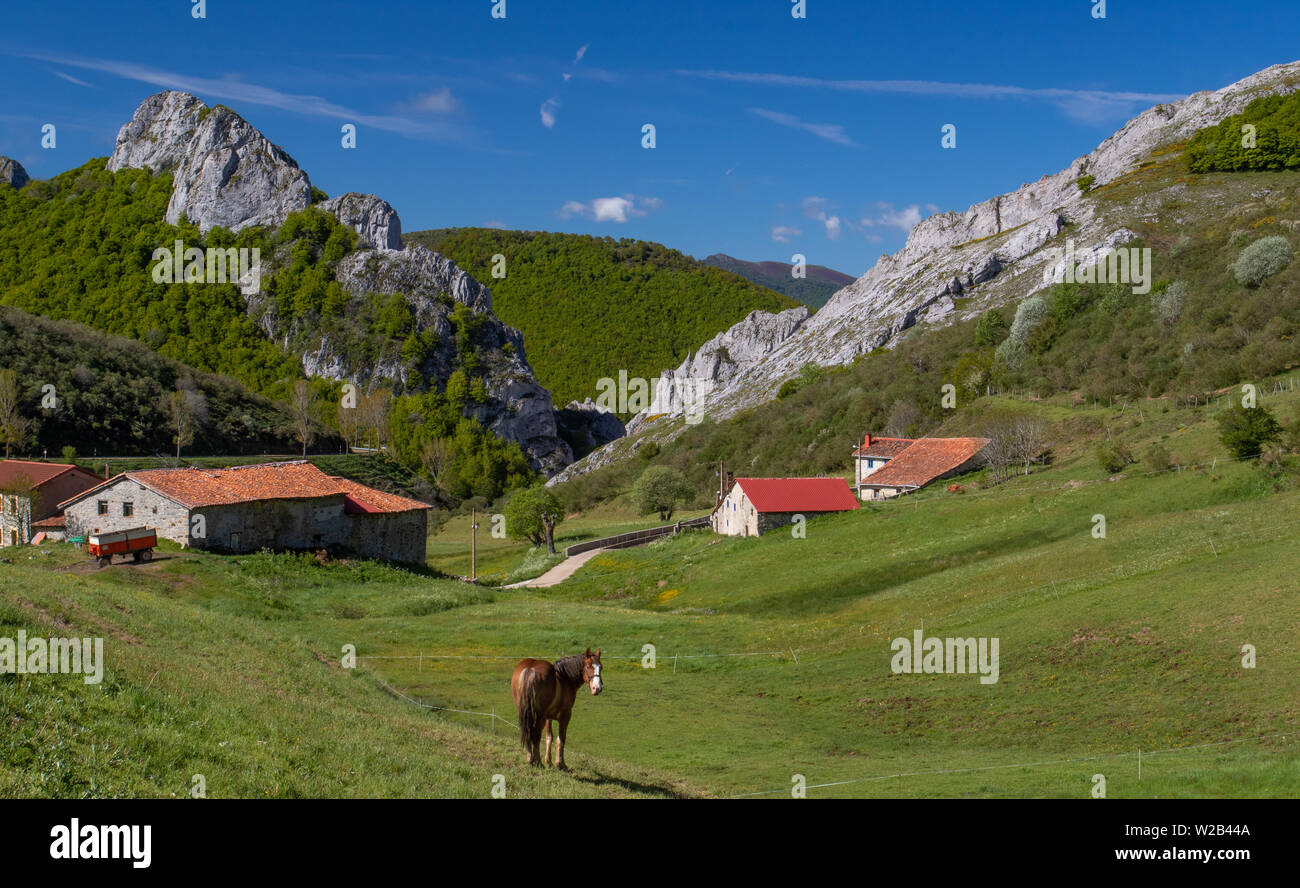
(1028, 314)
(1158, 459)
(1113, 456)
(1264, 258)
(1168, 303)
(1085, 183)
(1245, 431)
(991, 329)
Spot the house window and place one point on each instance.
(103, 507)
(128, 509)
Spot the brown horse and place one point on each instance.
(544, 692)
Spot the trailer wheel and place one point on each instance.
(135, 557)
(104, 560)
(146, 555)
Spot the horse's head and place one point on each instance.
(591, 671)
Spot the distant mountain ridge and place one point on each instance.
(589, 307)
(814, 290)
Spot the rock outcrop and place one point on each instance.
(12, 172)
(585, 427)
(224, 172)
(371, 217)
(996, 252)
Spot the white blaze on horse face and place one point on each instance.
(596, 684)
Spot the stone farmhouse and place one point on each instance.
(286, 505)
(888, 467)
(753, 506)
(30, 493)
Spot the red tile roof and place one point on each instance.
(798, 494)
(30, 472)
(925, 460)
(883, 448)
(360, 499)
(52, 522)
(197, 488)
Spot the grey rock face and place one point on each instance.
(995, 250)
(374, 219)
(517, 409)
(224, 172)
(586, 427)
(12, 172)
(417, 271)
(157, 136)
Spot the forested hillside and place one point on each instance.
(590, 306)
(79, 248)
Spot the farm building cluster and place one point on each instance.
(284, 505)
(883, 468)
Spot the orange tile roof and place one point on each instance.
(925, 460)
(884, 448)
(798, 494)
(196, 488)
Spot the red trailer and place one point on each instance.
(138, 542)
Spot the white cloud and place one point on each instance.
(782, 233)
(582, 51)
(611, 209)
(71, 79)
(252, 94)
(902, 219)
(816, 208)
(549, 107)
(437, 102)
(1088, 105)
(831, 132)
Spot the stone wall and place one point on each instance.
(394, 536)
(149, 509)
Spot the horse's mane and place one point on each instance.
(570, 668)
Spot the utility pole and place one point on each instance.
(473, 545)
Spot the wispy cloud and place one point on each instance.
(816, 208)
(548, 109)
(611, 209)
(1083, 104)
(439, 101)
(831, 132)
(71, 79)
(782, 233)
(582, 51)
(903, 219)
(238, 91)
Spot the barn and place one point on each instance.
(284, 505)
(919, 463)
(30, 493)
(753, 506)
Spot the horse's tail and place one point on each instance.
(530, 727)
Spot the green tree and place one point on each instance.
(661, 489)
(991, 329)
(532, 514)
(1246, 430)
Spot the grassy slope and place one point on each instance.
(1107, 646)
(589, 307)
(217, 667)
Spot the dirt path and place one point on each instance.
(561, 572)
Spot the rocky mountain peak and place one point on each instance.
(371, 217)
(224, 172)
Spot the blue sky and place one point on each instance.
(775, 135)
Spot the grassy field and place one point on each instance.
(772, 654)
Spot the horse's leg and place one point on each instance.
(564, 732)
(546, 757)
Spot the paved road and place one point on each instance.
(561, 572)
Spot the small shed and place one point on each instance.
(753, 506)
